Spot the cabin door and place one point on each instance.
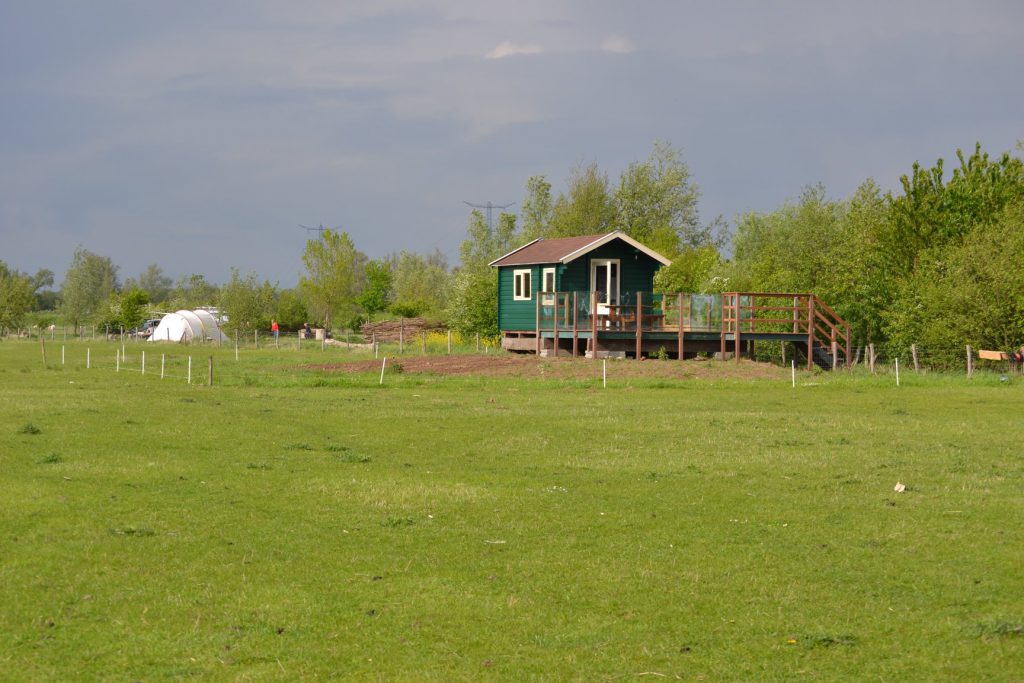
(604, 279)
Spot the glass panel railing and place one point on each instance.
(557, 309)
(702, 312)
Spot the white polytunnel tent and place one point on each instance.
(187, 326)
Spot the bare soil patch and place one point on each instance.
(530, 366)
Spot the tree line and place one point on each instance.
(937, 262)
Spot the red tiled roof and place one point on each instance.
(546, 250)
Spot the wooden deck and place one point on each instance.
(685, 324)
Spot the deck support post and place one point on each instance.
(536, 326)
(810, 332)
(575, 327)
(682, 332)
(593, 325)
(639, 323)
(721, 326)
(736, 345)
(555, 302)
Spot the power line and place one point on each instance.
(319, 229)
(490, 207)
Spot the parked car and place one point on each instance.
(145, 330)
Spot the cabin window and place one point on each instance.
(549, 286)
(523, 288)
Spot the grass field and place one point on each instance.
(297, 524)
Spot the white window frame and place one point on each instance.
(549, 299)
(522, 284)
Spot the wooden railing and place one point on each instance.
(777, 312)
(731, 313)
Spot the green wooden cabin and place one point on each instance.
(613, 265)
(594, 294)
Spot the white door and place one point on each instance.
(604, 279)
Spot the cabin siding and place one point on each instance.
(636, 275)
(517, 315)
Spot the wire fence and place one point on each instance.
(949, 359)
(193, 361)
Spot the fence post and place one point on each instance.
(478, 342)
(401, 335)
(143, 363)
(190, 369)
(424, 342)
(43, 343)
(163, 359)
(970, 362)
(210, 372)
(913, 353)
(449, 342)
(871, 357)
(88, 358)
(835, 354)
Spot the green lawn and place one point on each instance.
(291, 524)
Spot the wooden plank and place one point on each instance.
(992, 355)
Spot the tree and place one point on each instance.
(656, 203)
(691, 271)
(45, 299)
(246, 303)
(537, 209)
(587, 209)
(334, 277)
(88, 284)
(123, 310)
(291, 311)
(971, 293)
(473, 299)
(153, 282)
(16, 290)
(420, 284)
(377, 290)
(932, 213)
(192, 291)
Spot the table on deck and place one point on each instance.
(620, 315)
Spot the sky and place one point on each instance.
(201, 136)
